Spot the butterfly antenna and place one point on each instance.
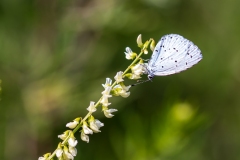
(140, 82)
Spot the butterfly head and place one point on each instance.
(150, 77)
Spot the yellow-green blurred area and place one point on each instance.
(54, 56)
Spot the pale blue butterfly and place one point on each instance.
(172, 54)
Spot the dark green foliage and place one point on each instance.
(54, 56)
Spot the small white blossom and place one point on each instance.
(84, 137)
(107, 91)
(91, 107)
(72, 124)
(119, 77)
(72, 141)
(59, 152)
(66, 154)
(138, 69)
(108, 83)
(45, 156)
(73, 151)
(98, 123)
(134, 76)
(106, 95)
(104, 100)
(125, 88)
(129, 53)
(108, 112)
(64, 135)
(86, 130)
(124, 94)
(95, 125)
(119, 90)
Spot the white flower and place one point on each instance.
(108, 112)
(86, 130)
(73, 150)
(104, 100)
(84, 137)
(129, 53)
(98, 123)
(125, 88)
(92, 107)
(134, 76)
(117, 89)
(95, 125)
(45, 156)
(106, 95)
(124, 94)
(64, 135)
(72, 141)
(108, 83)
(66, 154)
(121, 90)
(107, 91)
(59, 152)
(138, 69)
(119, 77)
(72, 124)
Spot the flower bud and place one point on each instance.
(139, 41)
(152, 45)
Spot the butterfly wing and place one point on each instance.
(173, 54)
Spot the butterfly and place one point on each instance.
(172, 54)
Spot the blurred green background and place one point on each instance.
(54, 56)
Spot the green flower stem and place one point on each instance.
(52, 155)
(136, 59)
(96, 105)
